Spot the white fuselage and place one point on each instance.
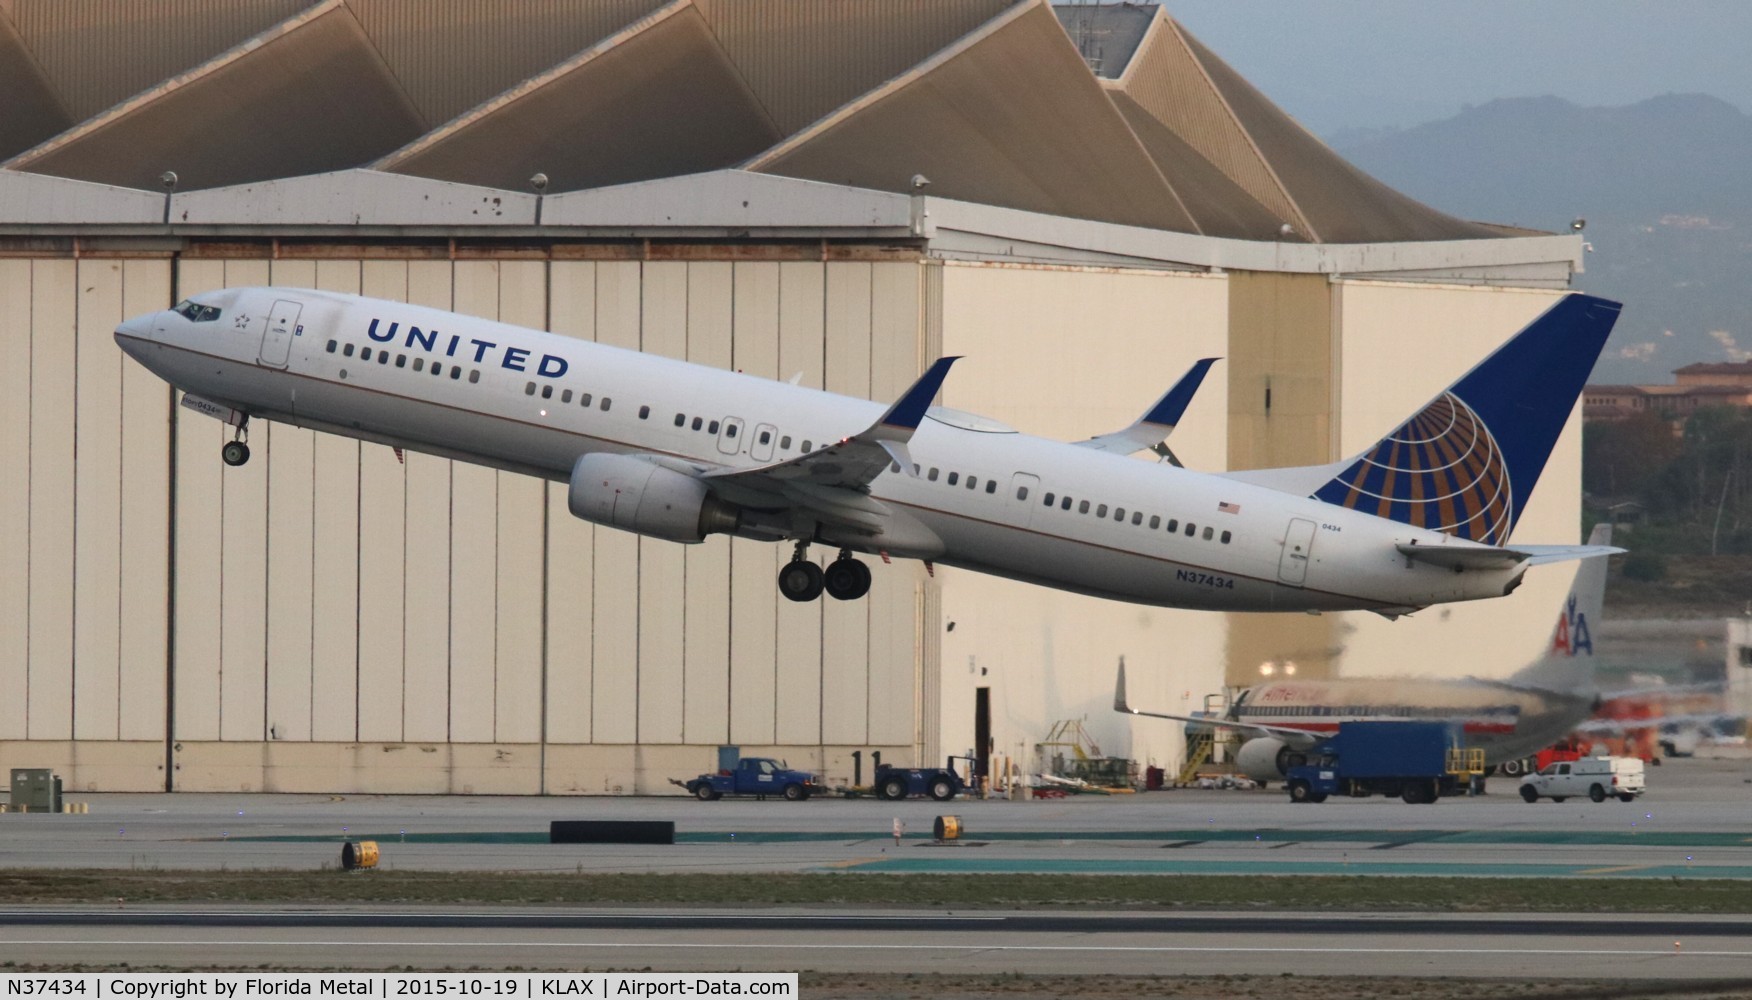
(987, 498)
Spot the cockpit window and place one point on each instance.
(197, 313)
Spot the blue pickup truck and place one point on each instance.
(757, 776)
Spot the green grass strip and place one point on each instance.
(1333, 893)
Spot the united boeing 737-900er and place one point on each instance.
(680, 451)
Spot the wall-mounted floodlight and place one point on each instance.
(168, 179)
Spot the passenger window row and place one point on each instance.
(730, 427)
(383, 357)
(1136, 517)
(970, 482)
(584, 398)
(697, 423)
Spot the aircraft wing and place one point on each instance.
(833, 482)
(1298, 737)
(1151, 429)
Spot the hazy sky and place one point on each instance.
(1338, 64)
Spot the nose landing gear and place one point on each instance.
(846, 579)
(236, 450)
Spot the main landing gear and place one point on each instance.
(236, 450)
(846, 579)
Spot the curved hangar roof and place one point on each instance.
(994, 100)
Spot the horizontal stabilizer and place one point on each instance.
(1491, 557)
(1539, 555)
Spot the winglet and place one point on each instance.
(1158, 421)
(904, 416)
(1168, 409)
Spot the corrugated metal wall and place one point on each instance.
(341, 621)
(33, 110)
(805, 59)
(453, 54)
(99, 53)
(1070, 153)
(318, 98)
(1168, 83)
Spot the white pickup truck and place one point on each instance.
(1596, 777)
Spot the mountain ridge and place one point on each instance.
(1662, 183)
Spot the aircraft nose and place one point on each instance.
(130, 332)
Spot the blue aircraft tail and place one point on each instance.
(1467, 462)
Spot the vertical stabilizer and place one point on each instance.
(1467, 462)
(1568, 663)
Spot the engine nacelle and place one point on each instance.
(1267, 758)
(630, 493)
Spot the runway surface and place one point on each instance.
(1079, 943)
(1696, 822)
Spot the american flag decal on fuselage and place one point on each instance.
(1440, 470)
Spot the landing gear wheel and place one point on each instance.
(847, 579)
(234, 453)
(800, 581)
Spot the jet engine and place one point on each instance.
(1267, 758)
(631, 493)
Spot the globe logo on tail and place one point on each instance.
(1440, 470)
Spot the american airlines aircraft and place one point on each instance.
(681, 451)
(1282, 720)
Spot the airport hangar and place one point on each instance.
(730, 181)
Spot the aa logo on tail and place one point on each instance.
(1572, 632)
